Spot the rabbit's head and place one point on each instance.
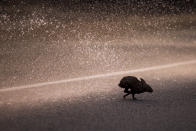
(147, 88)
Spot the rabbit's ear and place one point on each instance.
(142, 80)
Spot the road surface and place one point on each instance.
(97, 104)
(63, 76)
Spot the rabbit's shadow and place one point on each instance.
(142, 101)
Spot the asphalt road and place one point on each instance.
(43, 49)
(98, 104)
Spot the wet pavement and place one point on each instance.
(41, 47)
(98, 104)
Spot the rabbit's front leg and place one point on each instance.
(133, 96)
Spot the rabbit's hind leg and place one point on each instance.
(126, 95)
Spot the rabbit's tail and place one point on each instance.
(121, 85)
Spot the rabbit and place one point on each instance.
(134, 86)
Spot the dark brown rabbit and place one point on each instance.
(134, 86)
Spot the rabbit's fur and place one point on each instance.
(134, 86)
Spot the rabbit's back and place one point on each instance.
(129, 82)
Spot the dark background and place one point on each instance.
(111, 6)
